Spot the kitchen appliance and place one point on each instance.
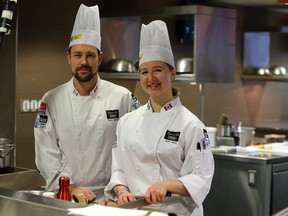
(212, 135)
(250, 184)
(5, 148)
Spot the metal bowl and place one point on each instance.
(184, 65)
(5, 141)
(119, 65)
(279, 71)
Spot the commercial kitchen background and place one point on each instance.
(33, 60)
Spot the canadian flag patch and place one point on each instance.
(43, 106)
(168, 106)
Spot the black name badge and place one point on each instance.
(112, 114)
(172, 136)
(43, 119)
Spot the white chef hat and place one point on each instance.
(86, 28)
(155, 43)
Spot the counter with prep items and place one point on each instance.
(21, 193)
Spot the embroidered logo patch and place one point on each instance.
(172, 136)
(112, 115)
(168, 106)
(135, 103)
(204, 141)
(41, 120)
(43, 106)
(76, 37)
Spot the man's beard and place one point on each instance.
(85, 78)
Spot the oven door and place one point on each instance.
(279, 199)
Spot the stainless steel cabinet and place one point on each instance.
(250, 185)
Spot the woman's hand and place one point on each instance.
(88, 194)
(156, 193)
(123, 194)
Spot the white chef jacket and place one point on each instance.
(80, 130)
(152, 147)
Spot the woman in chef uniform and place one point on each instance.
(161, 147)
(76, 123)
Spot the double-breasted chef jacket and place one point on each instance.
(152, 147)
(80, 130)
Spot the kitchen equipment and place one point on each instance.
(270, 138)
(278, 71)
(239, 135)
(212, 135)
(5, 140)
(250, 184)
(62, 167)
(119, 65)
(5, 148)
(139, 203)
(134, 204)
(249, 135)
(184, 65)
(280, 189)
(263, 71)
(172, 205)
(225, 130)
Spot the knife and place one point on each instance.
(138, 203)
(56, 176)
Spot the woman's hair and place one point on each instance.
(175, 91)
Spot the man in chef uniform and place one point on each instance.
(161, 147)
(76, 122)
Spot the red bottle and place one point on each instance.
(63, 193)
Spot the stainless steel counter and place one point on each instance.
(253, 157)
(18, 178)
(15, 203)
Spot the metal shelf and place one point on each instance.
(265, 78)
(181, 10)
(135, 76)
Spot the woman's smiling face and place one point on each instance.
(156, 79)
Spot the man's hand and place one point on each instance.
(88, 194)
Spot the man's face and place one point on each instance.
(84, 61)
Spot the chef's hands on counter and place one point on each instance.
(123, 194)
(155, 193)
(75, 191)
